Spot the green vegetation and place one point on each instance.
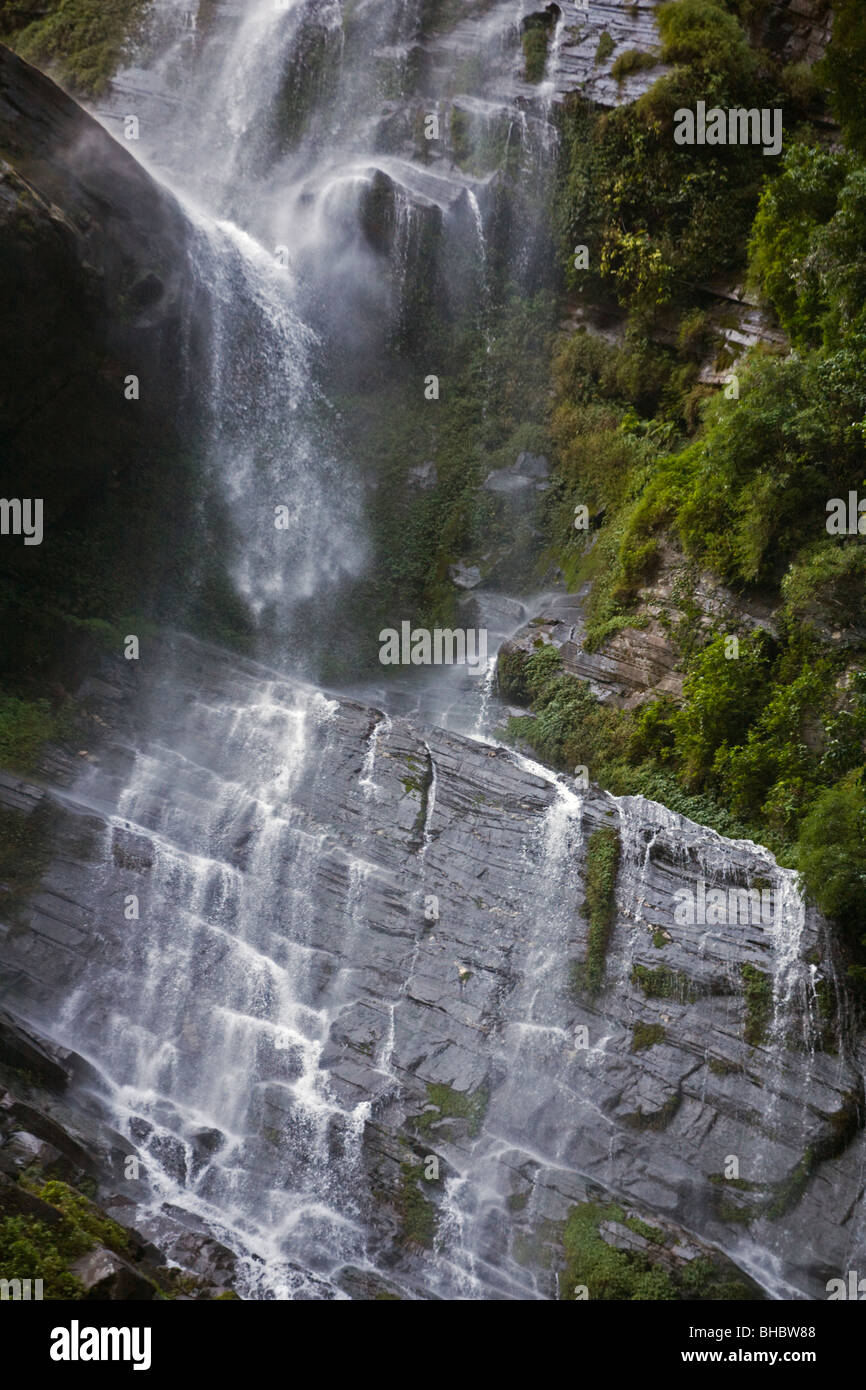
(607, 1273)
(602, 862)
(658, 1120)
(534, 41)
(611, 1274)
(32, 1248)
(28, 1245)
(682, 480)
(25, 725)
(758, 993)
(719, 1067)
(494, 398)
(417, 1214)
(833, 862)
(844, 70)
(81, 1214)
(663, 984)
(451, 1104)
(85, 41)
(605, 47)
(632, 60)
(44, 1247)
(842, 1127)
(646, 1035)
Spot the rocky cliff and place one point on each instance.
(387, 940)
(324, 1002)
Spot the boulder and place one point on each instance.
(107, 1276)
(27, 1052)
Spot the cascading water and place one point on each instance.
(212, 1019)
(265, 1014)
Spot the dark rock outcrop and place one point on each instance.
(97, 289)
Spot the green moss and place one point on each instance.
(494, 402)
(739, 1184)
(646, 1035)
(25, 725)
(719, 1067)
(758, 993)
(607, 1273)
(791, 1189)
(417, 1214)
(706, 1281)
(451, 1104)
(643, 1228)
(664, 984)
(734, 1213)
(843, 1125)
(31, 1248)
(833, 863)
(602, 862)
(598, 634)
(605, 47)
(534, 43)
(88, 1222)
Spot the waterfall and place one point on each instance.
(354, 935)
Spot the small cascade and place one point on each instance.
(488, 687)
(220, 1044)
(380, 730)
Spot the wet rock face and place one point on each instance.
(638, 663)
(350, 989)
(797, 30)
(98, 357)
(98, 252)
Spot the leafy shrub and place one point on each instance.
(607, 1273)
(832, 861)
(86, 39)
(721, 698)
(703, 34)
(632, 60)
(30, 1249)
(781, 260)
(604, 48)
(827, 582)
